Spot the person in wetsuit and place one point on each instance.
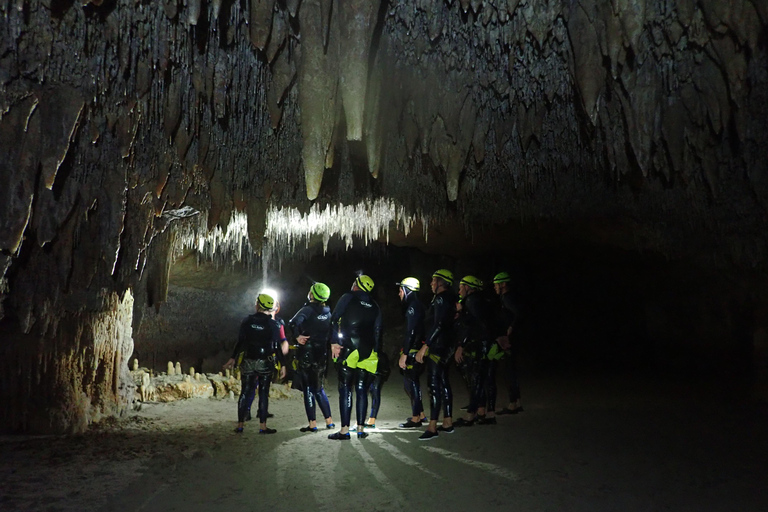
(259, 344)
(412, 342)
(480, 333)
(357, 319)
(510, 314)
(312, 327)
(437, 351)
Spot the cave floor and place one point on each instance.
(584, 443)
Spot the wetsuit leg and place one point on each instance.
(446, 390)
(247, 393)
(490, 386)
(309, 392)
(362, 383)
(265, 379)
(375, 390)
(478, 392)
(413, 390)
(510, 368)
(345, 393)
(434, 383)
(316, 382)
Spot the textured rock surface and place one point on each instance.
(641, 122)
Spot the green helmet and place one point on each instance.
(320, 292)
(472, 282)
(265, 302)
(445, 275)
(410, 283)
(364, 282)
(502, 277)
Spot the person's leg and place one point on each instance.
(411, 382)
(316, 381)
(362, 383)
(265, 379)
(490, 393)
(303, 375)
(447, 394)
(247, 393)
(375, 390)
(435, 394)
(345, 396)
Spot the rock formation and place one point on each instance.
(641, 124)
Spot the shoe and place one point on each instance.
(308, 429)
(509, 411)
(461, 422)
(270, 415)
(339, 436)
(447, 430)
(427, 435)
(239, 430)
(362, 435)
(330, 426)
(267, 430)
(410, 424)
(486, 421)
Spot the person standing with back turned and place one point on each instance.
(312, 327)
(437, 350)
(355, 350)
(259, 342)
(412, 342)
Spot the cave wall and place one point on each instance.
(639, 123)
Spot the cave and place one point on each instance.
(163, 161)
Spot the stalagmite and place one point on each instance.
(356, 22)
(178, 369)
(135, 364)
(171, 369)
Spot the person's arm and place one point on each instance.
(239, 347)
(377, 332)
(339, 310)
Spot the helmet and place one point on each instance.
(502, 277)
(411, 283)
(364, 282)
(320, 292)
(265, 302)
(445, 275)
(472, 282)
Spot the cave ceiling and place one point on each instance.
(640, 123)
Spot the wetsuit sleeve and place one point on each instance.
(297, 321)
(411, 329)
(443, 315)
(377, 333)
(242, 343)
(341, 307)
(510, 312)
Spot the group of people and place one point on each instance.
(469, 329)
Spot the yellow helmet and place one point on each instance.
(364, 282)
(502, 277)
(410, 283)
(320, 292)
(265, 302)
(472, 282)
(445, 275)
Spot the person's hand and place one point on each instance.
(229, 364)
(283, 371)
(421, 353)
(284, 347)
(459, 354)
(402, 360)
(302, 339)
(503, 342)
(335, 350)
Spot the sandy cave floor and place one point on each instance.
(582, 444)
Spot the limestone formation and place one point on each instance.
(642, 122)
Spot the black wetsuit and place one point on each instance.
(382, 374)
(414, 334)
(479, 337)
(510, 313)
(259, 342)
(439, 340)
(358, 318)
(313, 320)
